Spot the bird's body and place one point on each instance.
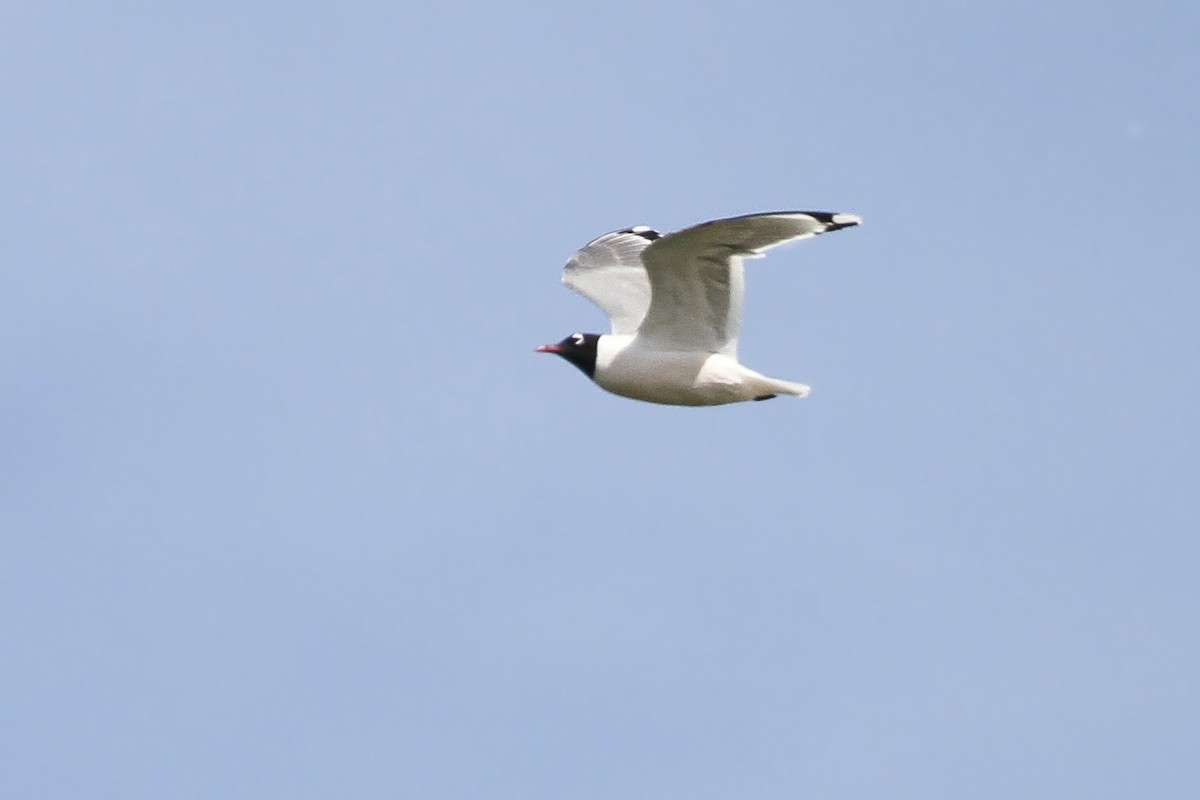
(629, 368)
(675, 303)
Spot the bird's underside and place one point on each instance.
(632, 370)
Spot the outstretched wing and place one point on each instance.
(696, 275)
(609, 272)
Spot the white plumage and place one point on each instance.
(675, 305)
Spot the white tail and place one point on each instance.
(788, 387)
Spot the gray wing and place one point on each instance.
(609, 272)
(696, 275)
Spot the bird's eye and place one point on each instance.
(578, 338)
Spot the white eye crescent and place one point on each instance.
(578, 338)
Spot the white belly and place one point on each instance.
(674, 378)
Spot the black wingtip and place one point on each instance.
(641, 230)
(834, 221)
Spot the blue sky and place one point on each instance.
(290, 509)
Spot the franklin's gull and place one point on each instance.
(675, 304)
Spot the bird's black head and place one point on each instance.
(579, 349)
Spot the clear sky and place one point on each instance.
(289, 508)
